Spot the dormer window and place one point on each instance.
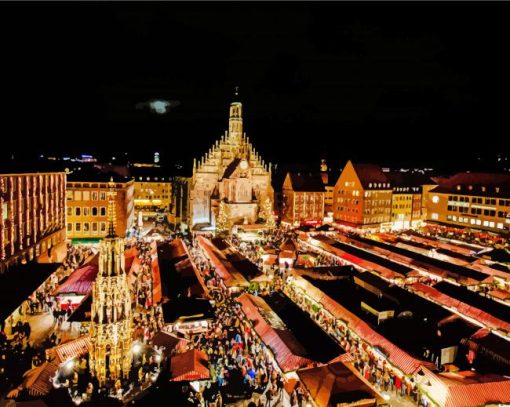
(370, 185)
(497, 190)
(470, 187)
(458, 187)
(483, 189)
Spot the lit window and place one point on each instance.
(500, 226)
(435, 216)
(77, 195)
(86, 195)
(94, 195)
(102, 196)
(486, 223)
(435, 199)
(472, 221)
(491, 224)
(454, 218)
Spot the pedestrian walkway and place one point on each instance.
(393, 400)
(41, 325)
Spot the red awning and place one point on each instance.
(79, 282)
(189, 366)
(396, 356)
(472, 312)
(285, 358)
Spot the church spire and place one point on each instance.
(235, 121)
(111, 209)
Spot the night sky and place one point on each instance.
(386, 82)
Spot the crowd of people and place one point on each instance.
(374, 369)
(240, 364)
(142, 287)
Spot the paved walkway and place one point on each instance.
(394, 399)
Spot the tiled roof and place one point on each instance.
(465, 389)
(396, 356)
(330, 385)
(189, 366)
(71, 349)
(38, 380)
(280, 342)
(306, 182)
(407, 179)
(477, 184)
(79, 282)
(371, 174)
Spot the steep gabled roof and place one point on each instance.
(306, 182)
(370, 174)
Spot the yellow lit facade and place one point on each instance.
(362, 197)
(476, 201)
(87, 204)
(152, 193)
(32, 216)
(406, 207)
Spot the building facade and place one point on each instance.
(303, 199)
(152, 189)
(475, 200)
(87, 203)
(407, 200)
(231, 172)
(362, 197)
(32, 216)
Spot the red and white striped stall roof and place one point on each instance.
(273, 338)
(396, 356)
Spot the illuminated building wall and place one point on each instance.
(32, 215)
(87, 208)
(362, 197)
(233, 172)
(405, 207)
(152, 193)
(303, 199)
(473, 200)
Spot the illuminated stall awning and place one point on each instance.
(189, 366)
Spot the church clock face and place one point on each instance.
(244, 165)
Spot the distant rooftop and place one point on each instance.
(306, 182)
